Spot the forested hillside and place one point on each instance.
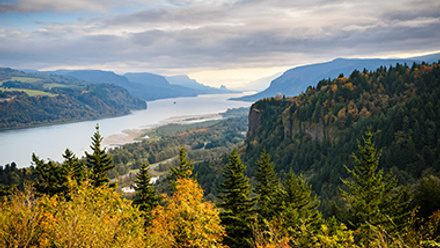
(314, 133)
(352, 162)
(203, 141)
(35, 99)
(143, 85)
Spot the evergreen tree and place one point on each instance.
(299, 208)
(237, 203)
(183, 170)
(267, 187)
(53, 177)
(74, 167)
(373, 200)
(427, 196)
(99, 162)
(147, 198)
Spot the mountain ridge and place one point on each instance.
(144, 85)
(184, 80)
(296, 80)
(28, 100)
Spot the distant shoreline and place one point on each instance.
(134, 135)
(62, 122)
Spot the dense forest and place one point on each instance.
(352, 162)
(314, 133)
(35, 99)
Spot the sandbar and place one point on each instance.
(134, 135)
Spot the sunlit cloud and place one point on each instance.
(203, 38)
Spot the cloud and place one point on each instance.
(32, 6)
(209, 35)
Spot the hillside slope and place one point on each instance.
(315, 133)
(152, 87)
(28, 100)
(143, 85)
(296, 80)
(185, 81)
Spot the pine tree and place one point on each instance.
(299, 215)
(373, 199)
(183, 170)
(99, 162)
(267, 187)
(237, 203)
(147, 198)
(52, 177)
(72, 164)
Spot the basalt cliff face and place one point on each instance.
(254, 121)
(263, 120)
(317, 132)
(312, 130)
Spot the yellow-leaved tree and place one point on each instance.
(186, 220)
(93, 217)
(20, 218)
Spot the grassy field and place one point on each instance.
(178, 128)
(31, 92)
(22, 79)
(55, 85)
(36, 80)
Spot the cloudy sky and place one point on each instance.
(214, 41)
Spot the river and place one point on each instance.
(51, 141)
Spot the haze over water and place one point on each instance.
(51, 141)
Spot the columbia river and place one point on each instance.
(50, 142)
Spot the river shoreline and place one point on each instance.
(50, 142)
(134, 135)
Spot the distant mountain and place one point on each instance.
(185, 81)
(151, 87)
(259, 84)
(430, 58)
(296, 80)
(96, 76)
(28, 99)
(144, 85)
(147, 79)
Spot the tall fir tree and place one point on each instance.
(53, 178)
(237, 203)
(267, 187)
(299, 208)
(183, 170)
(372, 195)
(99, 162)
(73, 165)
(146, 196)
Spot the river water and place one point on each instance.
(51, 141)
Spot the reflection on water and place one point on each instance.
(51, 141)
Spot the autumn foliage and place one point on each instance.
(186, 220)
(94, 217)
